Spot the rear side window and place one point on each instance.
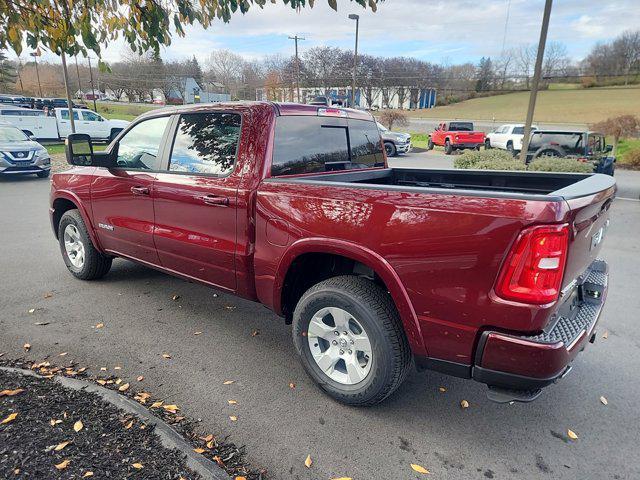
(306, 144)
(206, 143)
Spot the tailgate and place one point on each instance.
(589, 202)
(470, 137)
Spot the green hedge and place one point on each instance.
(503, 160)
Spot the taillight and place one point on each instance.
(534, 267)
(331, 112)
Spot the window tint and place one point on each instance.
(568, 141)
(321, 144)
(138, 149)
(460, 127)
(64, 114)
(206, 143)
(518, 130)
(91, 116)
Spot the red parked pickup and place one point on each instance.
(455, 136)
(486, 275)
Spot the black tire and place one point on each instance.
(430, 144)
(448, 149)
(510, 147)
(390, 149)
(44, 174)
(477, 149)
(487, 144)
(549, 152)
(95, 265)
(374, 309)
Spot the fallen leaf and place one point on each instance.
(166, 355)
(292, 385)
(572, 435)
(41, 324)
(233, 418)
(308, 461)
(78, 426)
(48, 295)
(605, 335)
(2, 354)
(240, 478)
(60, 446)
(197, 333)
(211, 444)
(101, 382)
(199, 450)
(171, 408)
(137, 466)
(342, 478)
(442, 389)
(63, 464)
(156, 404)
(53, 422)
(80, 370)
(208, 438)
(27, 347)
(464, 404)
(228, 382)
(255, 333)
(11, 393)
(100, 325)
(232, 402)
(604, 401)
(230, 307)
(142, 397)
(87, 474)
(10, 418)
(175, 297)
(123, 388)
(118, 381)
(140, 378)
(63, 354)
(128, 425)
(117, 368)
(419, 468)
(103, 369)
(31, 310)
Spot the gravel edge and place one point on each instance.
(169, 438)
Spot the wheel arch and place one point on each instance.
(347, 258)
(65, 201)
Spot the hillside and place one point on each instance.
(555, 106)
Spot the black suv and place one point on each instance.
(586, 146)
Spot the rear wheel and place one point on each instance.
(350, 340)
(390, 149)
(487, 144)
(448, 149)
(82, 259)
(430, 144)
(510, 148)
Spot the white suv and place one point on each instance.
(507, 137)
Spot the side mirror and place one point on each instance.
(608, 148)
(79, 151)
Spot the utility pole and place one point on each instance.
(68, 89)
(35, 56)
(93, 90)
(536, 80)
(296, 38)
(355, 17)
(20, 75)
(78, 74)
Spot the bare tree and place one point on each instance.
(225, 67)
(618, 127)
(627, 49)
(525, 59)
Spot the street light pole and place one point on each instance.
(536, 80)
(93, 90)
(355, 17)
(35, 59)
(296, 38)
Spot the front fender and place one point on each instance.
(86, 217)
(367, 257)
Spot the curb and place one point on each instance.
(169, 438)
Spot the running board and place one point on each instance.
(505, 395)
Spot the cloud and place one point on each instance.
(587, 26)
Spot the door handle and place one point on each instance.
(140, 190)
(213, 200)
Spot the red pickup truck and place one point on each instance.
(456, 136)
(486, 275)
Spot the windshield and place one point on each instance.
(12, 134)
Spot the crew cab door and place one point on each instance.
(122, 197)
(196, 199)
(64, 123)
(93, 125)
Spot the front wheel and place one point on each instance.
(390, 149)
(448, 149)
(82, 259)
(44, 174)
(430, 144)
(350, 340)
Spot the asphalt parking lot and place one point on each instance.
(281, 425)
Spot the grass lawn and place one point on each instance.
(624, 146)
(554, 106)
(122, 111)
(58, 148)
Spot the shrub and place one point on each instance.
(632, 158)
(470, 158)
(555, 164)
(389, 118)
(500, 164)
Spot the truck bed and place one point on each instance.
(509, 184)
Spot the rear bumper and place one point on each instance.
(532, 362)
(467, 145)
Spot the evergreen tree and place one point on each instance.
(7, 72)
(485, 75)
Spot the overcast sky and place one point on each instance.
(433, 30)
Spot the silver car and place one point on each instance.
(19, 155)
(394, 142)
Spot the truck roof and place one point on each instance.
(281, 108)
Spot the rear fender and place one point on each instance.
(367, 257)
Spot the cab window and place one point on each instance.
(138, 148)
(91, 116)
(64, 114)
